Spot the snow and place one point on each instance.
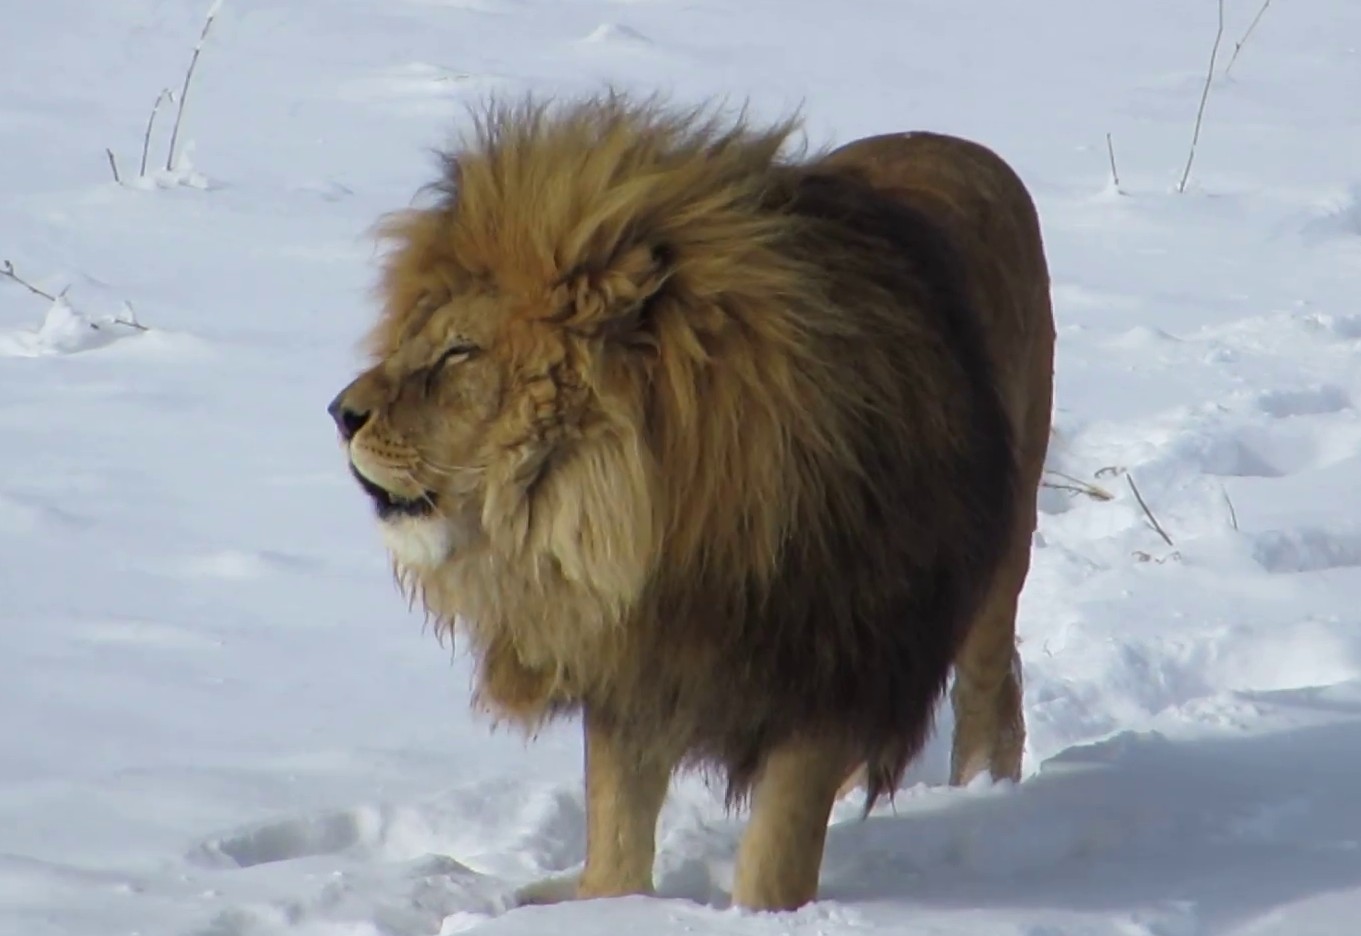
(219, 717)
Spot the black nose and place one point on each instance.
(348, 421)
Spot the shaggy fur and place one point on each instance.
(727, 445)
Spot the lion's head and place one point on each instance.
(547, 338)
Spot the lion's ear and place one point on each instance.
(587, 513)
(614, 301)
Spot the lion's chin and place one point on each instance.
(419, 543)
(389, 505)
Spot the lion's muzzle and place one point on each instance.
(349, 420)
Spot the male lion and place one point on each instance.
(734, 453)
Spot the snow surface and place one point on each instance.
(219, 719)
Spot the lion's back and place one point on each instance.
(922, 254)
(979, 202)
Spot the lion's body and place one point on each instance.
(744, 456)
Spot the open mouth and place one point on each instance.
(390, 505)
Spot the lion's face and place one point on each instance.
(561, 398)
(462, 396)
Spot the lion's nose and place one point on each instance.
(348, 420)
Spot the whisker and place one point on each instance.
(446, 470)
(435, 470)
(407, 475)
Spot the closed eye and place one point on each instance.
(454, 354)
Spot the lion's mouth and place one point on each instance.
(389, 505)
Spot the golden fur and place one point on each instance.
(728, 449)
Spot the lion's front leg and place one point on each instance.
(780, 856)
(625, 788)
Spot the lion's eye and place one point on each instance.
(455, 354)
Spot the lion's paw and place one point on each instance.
(556, 888)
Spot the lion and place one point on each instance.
(728, 450)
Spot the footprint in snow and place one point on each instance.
(389, 867)
(1320, 400)
(1342, 327)
(1308, 550)
(304, 837)
(1337, 221)
(433, 894)
(1279, 448)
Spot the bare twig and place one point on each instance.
(1063, 486)
(1233, 514)
(113, 164)
(188, 77)
(1110, 150)
(1148, 513)
(131, 320)
(1204, 96)
(1238, 46)
(1078, 486)
(166, 94)
(7, 269)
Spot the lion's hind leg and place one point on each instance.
(987, 695)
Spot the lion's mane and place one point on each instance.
(770, 475)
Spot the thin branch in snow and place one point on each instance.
(113, 165)
(1148, 513)
(1233, 514)
(188, 77)
(1110, 150)
(1238, 46)
(165, 95)
(1078, 486)
(130, 320)
(1204, 96)
(7, 269)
